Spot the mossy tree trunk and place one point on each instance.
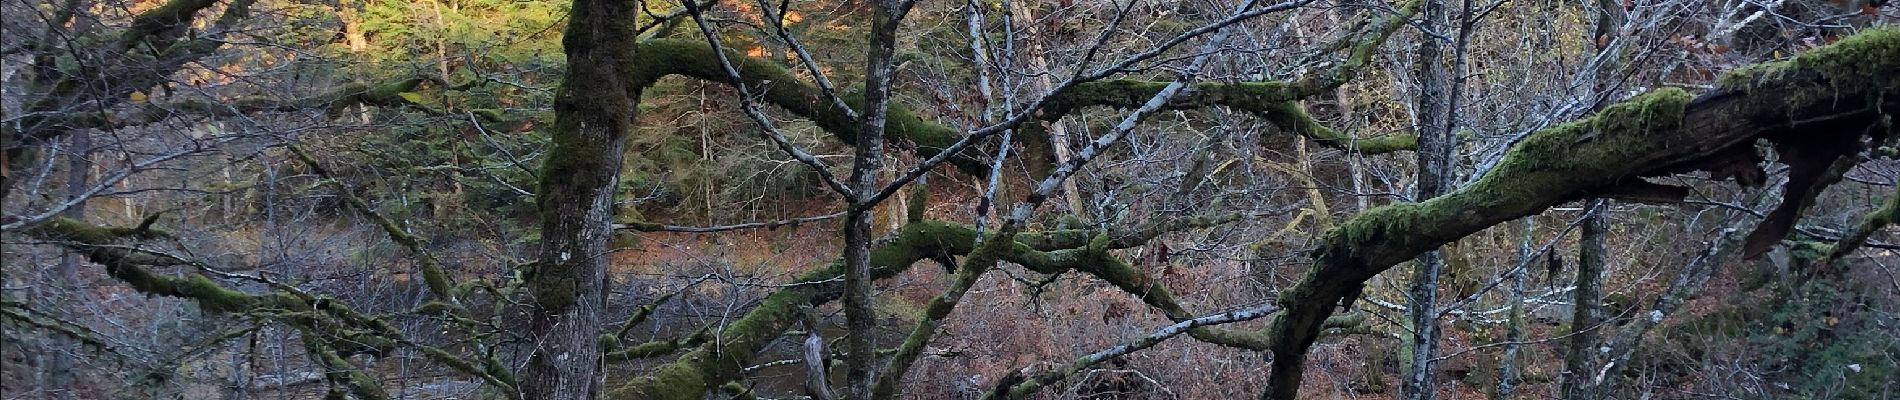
(594, 111)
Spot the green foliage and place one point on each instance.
(1818, 332)
(496, 31)
(1864, 61)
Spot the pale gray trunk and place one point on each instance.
(1508, 374)
(1433, 105)
(860, 317)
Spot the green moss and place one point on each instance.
(1748, 76)
(459, 364)
(694, 373)
(1252, 95)
(165, 17)
(648, 349)
(1863, 62)
(125, 264)
(1549, 166)
(490, 114)
(70, 229)
(1559, 155)
(1116, 93)
(1887, 214)
(340, 370)
(435, 307)
(493, 367)
(919, 202)
(207, 292)
(1388, 222)
(1808, 251)
(1274, 101)
(644, 226)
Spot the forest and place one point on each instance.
(949, 199)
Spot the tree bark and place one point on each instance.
(1580, 357)
(60, 369)
(860, 317)
(1434, 169)
(594, 110)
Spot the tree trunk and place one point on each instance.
(593, 113)
(60, 367)
(1037, 60)
(860, 317)
(1514, 325)
(1580, 355)
(1434, 170)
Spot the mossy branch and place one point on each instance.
(311, 314)
(778, 86)
(1273, 101)
(1887, 214)
(21, 313)
(980, 261)
(143, 55)
(642, 226)
(1031, 385)
(128, 264)
(641, 315)
(339, 371)
(398, 94)
(721, 360)
(434, 275)
(162, 24)
(659, 347)
(1656, 133)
